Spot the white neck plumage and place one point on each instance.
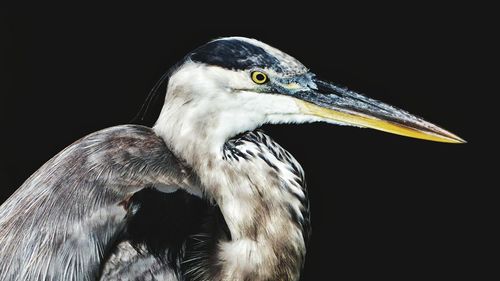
(257, 185)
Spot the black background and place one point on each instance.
(382, 205)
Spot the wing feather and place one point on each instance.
(63, 221)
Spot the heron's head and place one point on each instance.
(235, 84)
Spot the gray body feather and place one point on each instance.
(60, 223)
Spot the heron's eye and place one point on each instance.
(259, 77)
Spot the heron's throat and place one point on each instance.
(196, 133)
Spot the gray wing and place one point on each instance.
(64, 220)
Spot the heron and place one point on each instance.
(204, 194)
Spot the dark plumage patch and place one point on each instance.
(235, 54)
(201, 260)
(163, 221)
(250, 153)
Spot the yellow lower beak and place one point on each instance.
(421, 130)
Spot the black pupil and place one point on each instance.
(260, 77)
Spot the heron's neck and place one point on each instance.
(259, 189)
(196, 132)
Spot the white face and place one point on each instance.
(231, 98)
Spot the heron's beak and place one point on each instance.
(334, 104)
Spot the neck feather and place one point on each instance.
(259, 188)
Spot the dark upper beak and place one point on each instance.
(338, 105)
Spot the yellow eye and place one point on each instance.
(259, 77)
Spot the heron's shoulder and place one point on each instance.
(128, 150)
(122, 133)
(125, 154)
(125, 142)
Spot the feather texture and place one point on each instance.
(60, 223)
